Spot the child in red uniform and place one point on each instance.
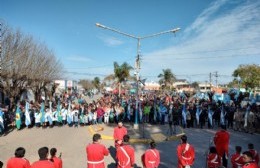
(57, 161)
(43, 162)
(18, 161)
(213, 160)
(237, 158)
(254, 153)
(125, 154)
(248, 159)
(185, 153)
(151, 157)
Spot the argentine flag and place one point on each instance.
(198, 111)
(222, 116)
(42, 113)
(140, 112)
(81, 117)
(129, 109)
(27, 114)
(1, 119)
(69, 115)
(184, 114)
(154, 109)
(246, 115)
(210, 114)
(49, 118)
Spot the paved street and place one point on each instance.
(72, 142)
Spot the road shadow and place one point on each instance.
(112, 151)
(111, 165)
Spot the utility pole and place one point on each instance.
(1, 62)
(210, 80)
(216, 75)
(137, 61)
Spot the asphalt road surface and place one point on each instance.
(72, 143)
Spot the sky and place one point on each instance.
(215, 37)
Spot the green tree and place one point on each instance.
(195, 85)
(121, 74)
(86, 84)
(167, 78)
(96, 83)
(249, 75)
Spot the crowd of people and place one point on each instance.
(72, 110)
(153, 108)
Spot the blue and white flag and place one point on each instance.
(210, 114)
(1, 119)
(59, 114)
(42, 113)
(27, 114)
(222, 116)
(129, 109)
(140, 112)
(246, 115)
(198, 111)
(154, 109)
(184, 114)
(69, 115)
(49, 116)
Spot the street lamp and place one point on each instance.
(137, 61)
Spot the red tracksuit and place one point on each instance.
(255, 155)
(186, 155)
(119, 133)
(221, 141)
(213, 160)
(151, 158)
(95, 155)
(43, 164)
(237, 160)
(57, 162)
(125, 156)
(16, 162)
(250, 165)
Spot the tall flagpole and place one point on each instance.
(1, 62)
(137, 62)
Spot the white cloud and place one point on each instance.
(218, 40)
(110, 41)
(76, 58)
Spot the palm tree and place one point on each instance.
(167, 77)
(121, 73)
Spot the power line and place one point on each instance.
(207, 51)
(207, 57)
